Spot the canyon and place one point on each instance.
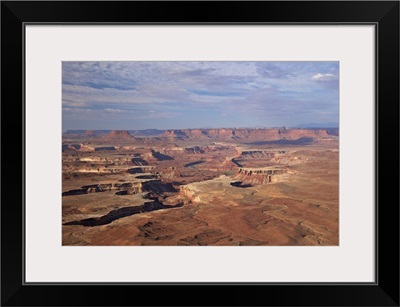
(190, 187)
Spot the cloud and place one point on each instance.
(113, 110)
(67, 103)
(151, 90)
(323, 77)
(273, 70)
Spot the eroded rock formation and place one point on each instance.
(260, 176)
(118, 135)
(132, 187)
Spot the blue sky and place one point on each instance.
(177, 95)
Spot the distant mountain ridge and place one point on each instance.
(243, 135)
(144, 132)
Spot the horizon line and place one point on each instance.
(208, 128)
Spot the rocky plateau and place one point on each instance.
(190, 187)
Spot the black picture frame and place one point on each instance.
(383, 14)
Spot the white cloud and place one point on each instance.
(113, 110)
(323, 77)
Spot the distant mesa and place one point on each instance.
(146, 132)
(118, 135)
(77, 147)
(255, 136)
(251, 135)
(100, 133)
(175, 134)
(84, 134)
(89, 133)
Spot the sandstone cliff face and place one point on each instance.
(190, 192)
(191, 150)
(251, 172)
(260, 176)
(251, 154)
(128, 187)
(153, 186)
(139, 161)
(103, 160)
(77, 147)
(158, 187)
(87, 148)
(174, 134)
(169, 173)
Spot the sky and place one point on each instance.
(181, 95)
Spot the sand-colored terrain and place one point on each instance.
(201, 187)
